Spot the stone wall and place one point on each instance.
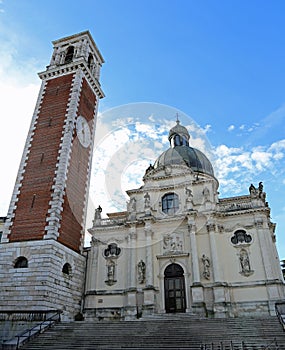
(42, 285)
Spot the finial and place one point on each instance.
(177, 119)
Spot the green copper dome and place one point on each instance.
(180, 153)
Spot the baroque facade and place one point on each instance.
(178, 247)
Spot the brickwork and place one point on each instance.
(74, 204)
(33, 200)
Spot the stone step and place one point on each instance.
(165, 333)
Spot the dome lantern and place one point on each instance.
(178, 135)
(180, 153)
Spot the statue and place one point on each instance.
(252, 190)
(98, 212)
(110, 273)
(149, 168)
(132, 205)
(206, 194)
(206, 267)
(97, 216)
(141, 272)
(244, 261)
(189, 198)
(146, 201)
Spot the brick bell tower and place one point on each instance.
(44, 230)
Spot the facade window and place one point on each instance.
(21, 262)
(66, 269)
(112, 251)
(170, 203)
(240, 237)
(69, 54)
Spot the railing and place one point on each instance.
(230, 345)
(28, 334)
(110, 222)
(234, 206)
(280, 312)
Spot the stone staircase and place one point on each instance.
(165, 332)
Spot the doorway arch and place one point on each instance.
(174, 289)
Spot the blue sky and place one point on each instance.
(221, 63)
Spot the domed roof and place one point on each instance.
(185, 155)
(178, 130)
(180, 153)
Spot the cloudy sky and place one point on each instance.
(218, 64)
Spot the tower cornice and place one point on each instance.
(72, 67)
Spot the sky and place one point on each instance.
(219, 64)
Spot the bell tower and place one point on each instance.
(50, 196)
(47, 211)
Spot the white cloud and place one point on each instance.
(231, 127)
(237, 167)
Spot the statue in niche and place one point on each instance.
(147, 204)
(206, 194)
(132, 205)
(244, 262)
(141, 272)
(110, 273)
(146, 201)
(172, 243)
(189, 198)
(206, 267)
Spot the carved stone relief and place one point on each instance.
(172, 243)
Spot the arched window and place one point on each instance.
(69, 54)
(170, 203)
(66, 269)
(21, 262)
(90, 61)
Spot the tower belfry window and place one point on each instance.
(69, 54)
(90, 61)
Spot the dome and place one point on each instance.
(180, 153)
(178, 130)
(185, 155)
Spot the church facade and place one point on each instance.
(178, 247)
(181, 248)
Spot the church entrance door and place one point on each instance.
(174, 287)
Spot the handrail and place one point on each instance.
(40, 326)
(240, 346)
(280, 312)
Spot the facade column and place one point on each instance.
(91, 273)
(214, 253)
(272, 278)
(219, 288)
(194, 252)
(198, 305)
(148, 257)
(131, 307)
(132, 257)
(149, 290)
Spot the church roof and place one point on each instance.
(185, 155)
(180, 153)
